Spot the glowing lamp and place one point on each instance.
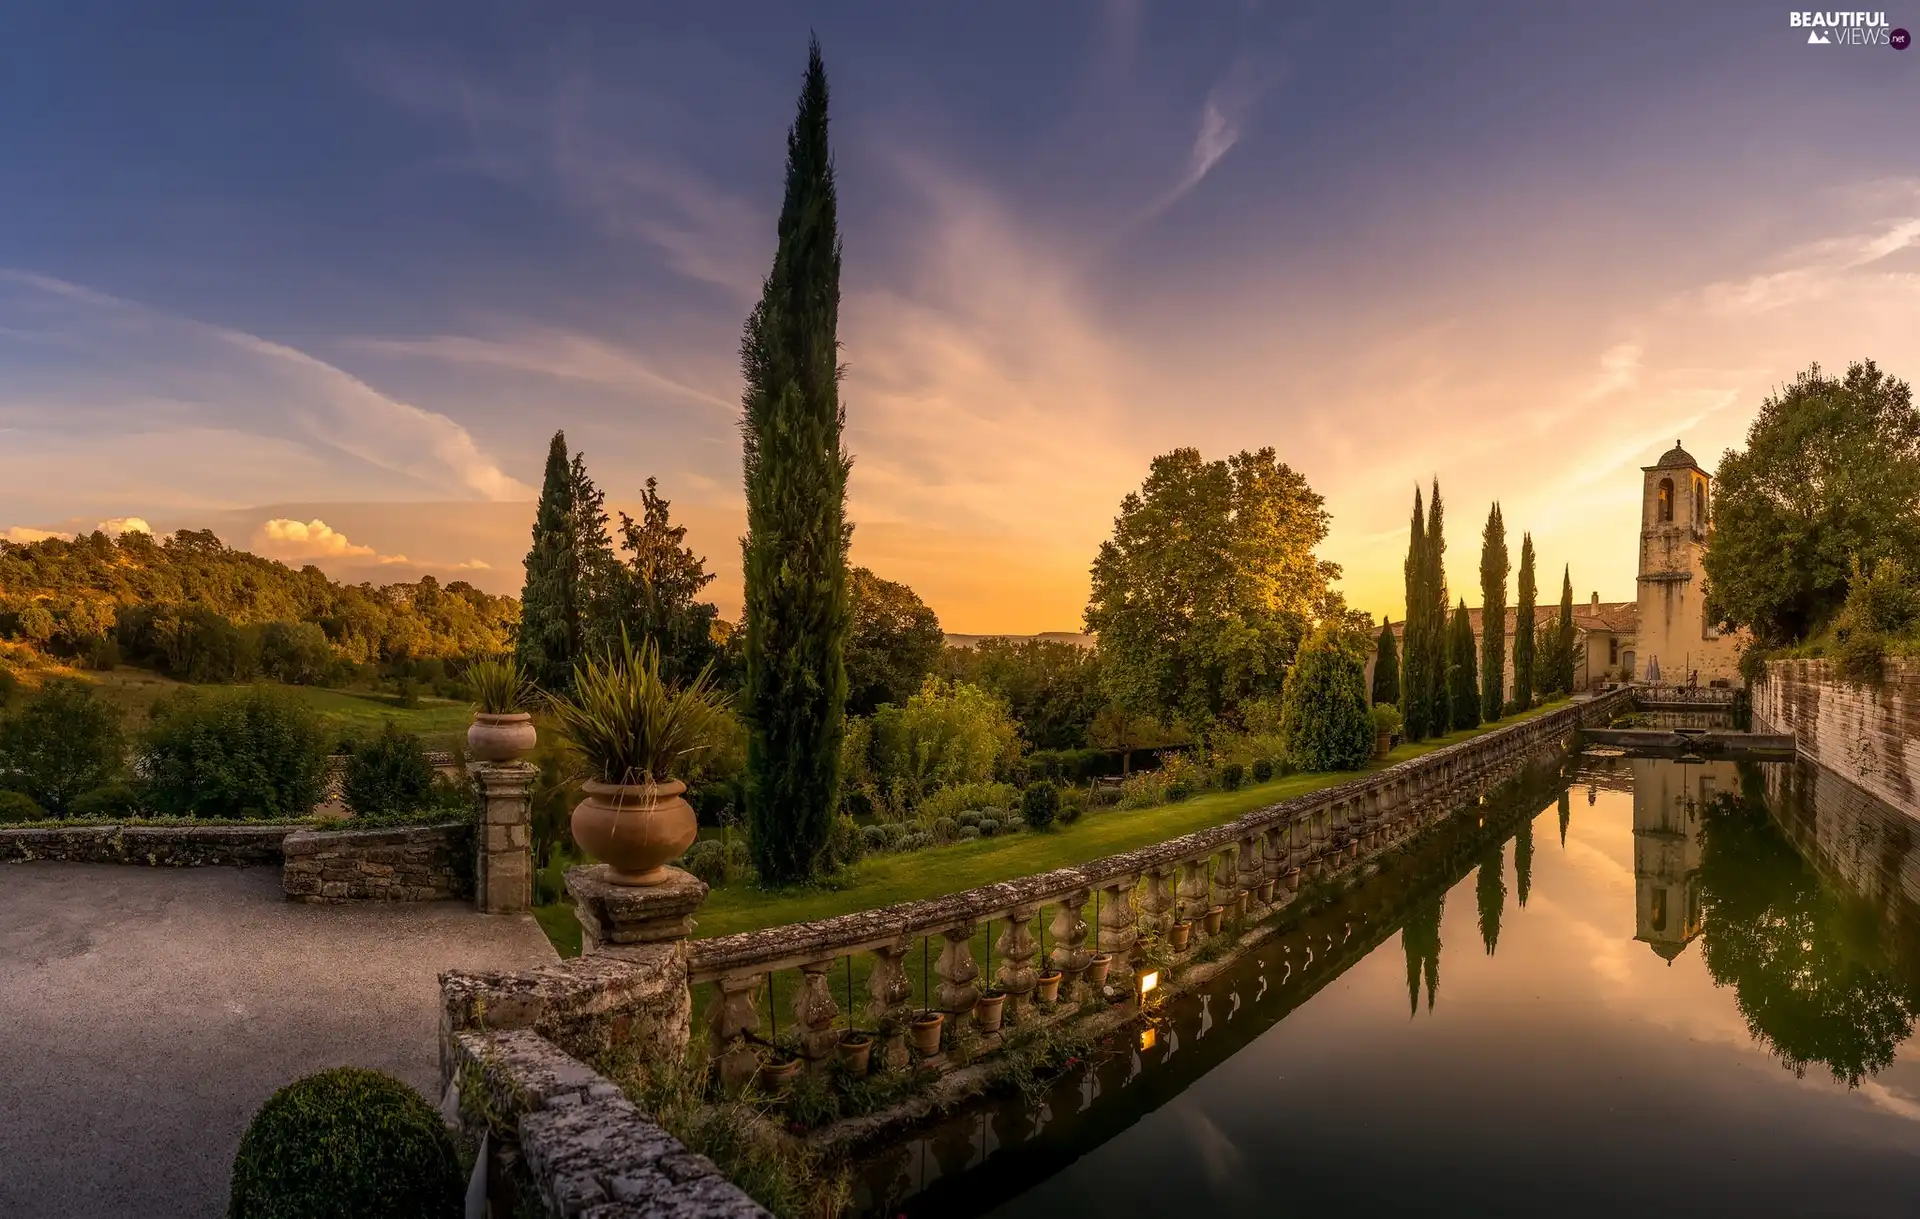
(1148, 1036)
(1148, 981)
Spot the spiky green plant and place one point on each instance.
(498, 686)
(630, 726)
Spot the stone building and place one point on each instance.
(1664, 633)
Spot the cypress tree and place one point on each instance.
(1439, 700)
(1386, 667)
(1490, 894)
(1493, 616)
(1413, 675)
(1563, 647)
(795, 551)
(1523, 628)
(1462, 672)
(548, 641)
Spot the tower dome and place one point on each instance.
(1677, 458)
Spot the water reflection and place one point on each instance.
(1801, 898)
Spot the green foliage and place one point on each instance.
(1829, 484)
(1040, 805)
(1438, 622)
(1490, 895)
(1463, 678)
(1416, 702)
(1493, 616)
(1324, 713)
(562, 569)
(19, 806)
(63, 741)
(961, 798)
(1887, 601)
(629, 725)
(1263, 770)
(1524, 651)
(1386, 666)
(388, 775)
(297, 653)
(257, 753)
(1564, 658)
(346, 1141)
(798, 617)
(1859, 655)
(894, 644)
(652, 592)
(1387, 719)
(1232, 775)
(1073, 804)
(1052, 687)
(113, 802)
(497, 686)
(1209, 583)
(707, 861)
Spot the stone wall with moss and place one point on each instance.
(1869, 734)
(415, 863)
(165, 846)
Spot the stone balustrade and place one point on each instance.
(1249, 866)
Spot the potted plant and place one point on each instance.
(778, 1068)
(502, 730)
(636, 733)
(1266, 891)
(1097, 967)
(1240, 897)
(856, 1048)
(1386, 725)
(925, 1030)
(1214, 916)
(1180, 935)
(987, 1012)
(1293, 880)
(1048, 984)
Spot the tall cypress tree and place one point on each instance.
(1563, 647)
(548, 641)
(1386, 667)
(797, 612)
(1413, 673)
(1490, 894)
(1493, 616)
(1523, 628)
(1463, 674)
(1439, 700)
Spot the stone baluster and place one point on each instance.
(814, 1012)
(1117, 934)
(957, 971)
(1247, 855)
(1157, 902)
(732, 1020)
(1070, 944)
(1297, 843)
(1225, 885)
(1273, 853)
(1017, 948)
(890, 995)
(1193, 890)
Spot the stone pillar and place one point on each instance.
(1248, 857)
(814, 1012)
(1193, 890)
(1224, 883)
(1156, 905)
(957, 970)
(618, 917)
(1017, 948)
(734, 1017)
(503, 844)
(1070, 944)
(1273, 853)
(889, 993)
(1117, 934)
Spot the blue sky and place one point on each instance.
(353, 263)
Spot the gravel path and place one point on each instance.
(145, 1014)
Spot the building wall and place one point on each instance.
(1673, 582)
(1867, 734)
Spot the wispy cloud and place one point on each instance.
(570, 357)
(1223, 118)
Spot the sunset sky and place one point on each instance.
(325, 278)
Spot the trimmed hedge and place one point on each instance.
(346, 1142)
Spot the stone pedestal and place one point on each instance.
(503, 855)
(613, 917)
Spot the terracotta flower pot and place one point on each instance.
(1293, 880)
(1097, 969)
(500, 738)
(1214, 917)
(1049, 986)
(634, 828)
(926, 1032)
(987, 1011)
(1179, 936)
(855, 1051)
(1240, 904)
(1266, 892)
(1382, 744)
(775, 1076)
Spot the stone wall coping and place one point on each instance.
(795, 944)
(309, 841)
(591, 1151)
(172, 845)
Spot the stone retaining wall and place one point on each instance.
(588, 1150)
(416, 863)
(169, 846)
(1868, 734)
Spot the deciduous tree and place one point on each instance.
(896, 641)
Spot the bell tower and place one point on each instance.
(1675, 636)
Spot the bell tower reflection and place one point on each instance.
(1668, 799)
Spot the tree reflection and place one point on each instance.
(1566, 814)
(1523, 860)
(1420, 936)
(1490, 891)
(1812, 987)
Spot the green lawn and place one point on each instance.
(882, 880)
(440, 722)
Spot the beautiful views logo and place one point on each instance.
(1850, 30)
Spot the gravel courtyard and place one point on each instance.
(145, 1014)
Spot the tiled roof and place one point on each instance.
(1619, 617)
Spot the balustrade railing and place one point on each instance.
(1040, 947)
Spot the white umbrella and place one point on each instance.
(1653, 670)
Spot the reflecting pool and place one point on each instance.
(1629, 986)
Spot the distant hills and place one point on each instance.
(1073, 637)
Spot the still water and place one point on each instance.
(1628, 986)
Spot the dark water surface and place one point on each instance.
(1634, 986)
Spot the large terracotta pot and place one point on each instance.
(926, 1033)
(1382, 744)
(500, 738)
(634, 828)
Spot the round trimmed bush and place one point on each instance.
(1039, 805)
(1178, 790)
(945, 828)
(707, 861)
(1232, 775)
(969, 832)
(993, 811)
(875, 838)
(989, 827)
(19, 806)
(346, 1141)
(115, 800)
(1012, 825)
(917, 841)
(1262, 770)
(970, 817)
